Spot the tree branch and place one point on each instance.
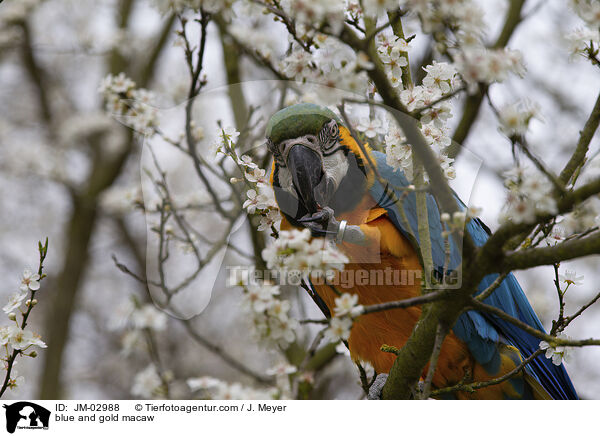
(473, 103)
(529, 258)
(472, 387)
(585, 137)
(552, 340)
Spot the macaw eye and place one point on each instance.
(329, 135)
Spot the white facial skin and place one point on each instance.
(335, 167)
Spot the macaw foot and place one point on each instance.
(377, 387)
(321, 223)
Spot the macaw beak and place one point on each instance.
(313, 187)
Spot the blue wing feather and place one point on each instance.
(401, 206)
(511, 299)
(480, 331)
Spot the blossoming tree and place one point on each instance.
(428, 82)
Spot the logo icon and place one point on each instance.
(26, 415)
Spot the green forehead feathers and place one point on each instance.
(298, 120)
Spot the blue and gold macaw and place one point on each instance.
(321, 178)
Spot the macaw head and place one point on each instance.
(316, 163)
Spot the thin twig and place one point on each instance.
(43, 250)
(553, 341)
(491, 288)
(472, 387)
(409, 302)
(437, 347)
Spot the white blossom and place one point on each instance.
(439, 75)
(210, 6)
(197, 132)
(580, 219)
(556, 235)
(463, 16)
(269, 314)
(370, 127)
(256, 201)
(482, 65)
(282, 369)
(393, 61)
(374, 8)
(571, 278)
(146, 383)
(121, 200)
(30, 281)
(256, 175)
(446, 163)
(132, 106)
(4, 335)
(399, 157)
(414, 98)
(198, 383)
(121, 314)
(581, 39)
(259, 297)
(14, 301)
(514, 118)
(438, 114)
(518, 210)
(279, 309)
(530, 194)
(297, 65)
(131, 341)
(230, 134)
(362, 61)
(339, 329)
(20, 339)
(314, 12)
(282, 372)
(283, 331)
(17, 380)
(271, 218)
(387, 45)
(559, 353)
(294, 250)
(119, 84)
(148, 316)
(255, 37)
(347, 305)
(589, 11)
(341, 348)
(142, 116)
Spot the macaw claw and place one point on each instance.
(323, 216)
(318, 231)
(321, 223)
(377, 387)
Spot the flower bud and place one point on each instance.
(12, 316)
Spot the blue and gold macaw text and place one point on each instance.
(344, 279)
